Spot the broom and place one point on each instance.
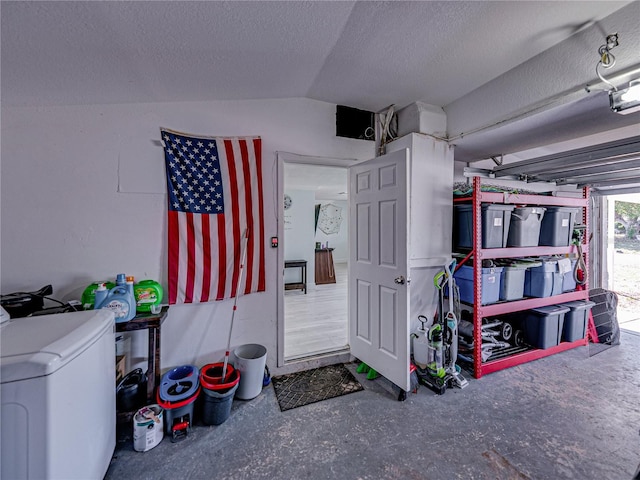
(243, 254)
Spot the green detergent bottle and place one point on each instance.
(89, 294)
(147, 294)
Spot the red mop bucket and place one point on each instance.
(211, 376)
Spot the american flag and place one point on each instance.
(215, 195)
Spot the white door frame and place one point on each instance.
(282, 158)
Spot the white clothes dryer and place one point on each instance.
(58, 410)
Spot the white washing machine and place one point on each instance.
(57, 376)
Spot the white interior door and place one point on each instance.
(378, 267)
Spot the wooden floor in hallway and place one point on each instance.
(316, 323)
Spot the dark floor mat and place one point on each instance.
(302, 388)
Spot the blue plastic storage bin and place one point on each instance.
(543, 281)
(575, 320)
(568, 280)
(543, 326)
(490, 284)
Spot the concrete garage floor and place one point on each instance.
(566, 416)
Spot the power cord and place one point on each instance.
(607, 59)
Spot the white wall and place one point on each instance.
(298, 234)
(83, 198)
(338, 241)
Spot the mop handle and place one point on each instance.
(245, 238)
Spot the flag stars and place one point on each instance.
(194, 175)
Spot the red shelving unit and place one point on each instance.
(481, 311)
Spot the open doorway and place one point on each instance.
(313, 312)
(624, 257)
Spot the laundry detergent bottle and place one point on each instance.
(120, 299)
(148, 293)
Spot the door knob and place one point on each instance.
(399, 280)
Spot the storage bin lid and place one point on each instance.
(546, 265)
(465, 207)
(551, 310)
(521, 210)
(497, 206)
(579, 304)
(465, 272)
(563, 209)
(33, 347)
(485, 206)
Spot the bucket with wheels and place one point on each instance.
(179, 389)
(250, 361)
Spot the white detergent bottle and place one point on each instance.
(120, 299)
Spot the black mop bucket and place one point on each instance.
(217, 394)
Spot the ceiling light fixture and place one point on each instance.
(623, 101)
(627, 100)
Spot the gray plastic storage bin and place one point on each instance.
(512, 283)
(543, 326)
(543, 281)
(495, 225)
(575, 320)
(568, 280)
(557, 226)
(524, 230)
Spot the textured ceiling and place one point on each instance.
(362, 54)
(476, 59)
